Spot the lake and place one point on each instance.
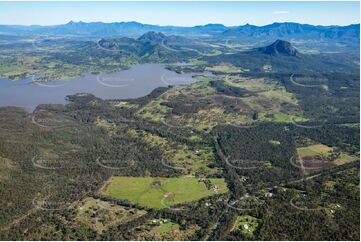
(135, 82)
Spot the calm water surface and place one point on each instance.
(135, 82)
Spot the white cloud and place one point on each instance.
(280, 12)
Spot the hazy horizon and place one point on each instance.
(183, 14)
(172, 25)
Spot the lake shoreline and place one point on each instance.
(136, 82)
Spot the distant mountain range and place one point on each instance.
(295, 30)
(286, 31)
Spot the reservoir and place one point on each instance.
(135, 82)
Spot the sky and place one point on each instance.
(181, 13)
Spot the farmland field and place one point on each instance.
(312, 150)
(317, 157)
(156, 192)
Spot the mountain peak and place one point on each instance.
(153, 37)
(279, 47)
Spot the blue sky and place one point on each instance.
(181, 13)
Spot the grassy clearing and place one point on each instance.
(157, 192)
(238, 118)
(165, 228)
(246, 224)
(200, 87)
(313, 150)
(345, 158)
(255, 85)
(227, 69)
(279, 117)
(124, 104)
(280, 95)
(271, 110)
